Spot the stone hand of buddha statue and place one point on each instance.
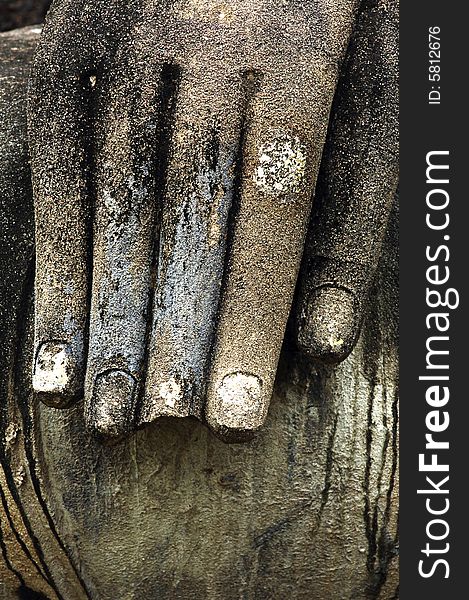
(175, 148)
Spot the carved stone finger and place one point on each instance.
(356, 187)
(58, 133)
(286, 131)
(197, 200)
(131, 132)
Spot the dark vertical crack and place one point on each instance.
(4, 550)
(13, 529)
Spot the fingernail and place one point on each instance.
(330, 324)
(111, 412)
(240, 408)
(54, 371)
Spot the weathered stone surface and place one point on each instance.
(181, 143)
(307, 510)
(355, 190)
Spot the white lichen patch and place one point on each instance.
(112, 402)
(105, 414)
(281, 166)
(11, 433)
(69, 287)
(335, 342)
(111, 203)
(171, 392)
(51, 372)
(240, 398)
(19, 476)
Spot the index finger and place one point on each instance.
(280, 162)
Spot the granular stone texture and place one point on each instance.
(306, 510)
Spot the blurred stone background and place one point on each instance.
(19, 13)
